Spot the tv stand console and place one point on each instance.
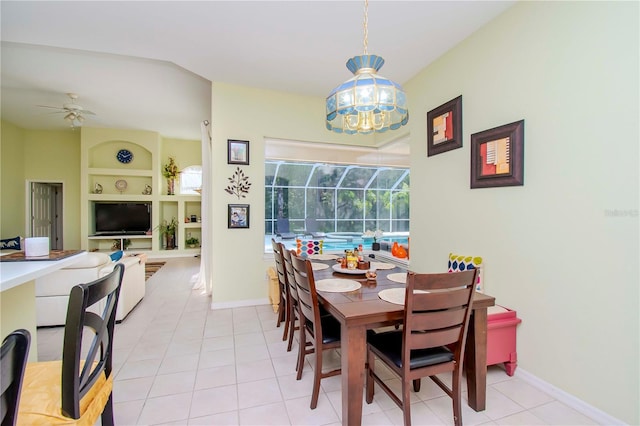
(143, 240)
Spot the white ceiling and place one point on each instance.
(149, 65)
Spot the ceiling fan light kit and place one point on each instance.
(73, 113)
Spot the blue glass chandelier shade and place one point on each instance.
(367, 102)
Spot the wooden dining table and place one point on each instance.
(362, 309)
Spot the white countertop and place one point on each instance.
(13, 274)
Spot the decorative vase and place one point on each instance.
(375, 246)
(171, 184)
(394, 249)
(171, 241)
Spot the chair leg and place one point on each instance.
(292, 328)
(416, 385)
(406, 402)
(302, 348)
(456, 394)
(317, 375)
(107, 413)
(287, 322)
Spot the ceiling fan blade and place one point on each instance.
(52, 107)
(86, 111)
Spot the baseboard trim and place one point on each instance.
(239, 303)
(577, 404)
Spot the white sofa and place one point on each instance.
(52, 291)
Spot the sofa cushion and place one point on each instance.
(10, 244)
(91, 260)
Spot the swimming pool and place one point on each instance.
(336, 241)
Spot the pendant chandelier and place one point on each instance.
(367, 102)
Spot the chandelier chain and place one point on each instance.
(365, 25)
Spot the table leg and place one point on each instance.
(353, 350)
(475, 360)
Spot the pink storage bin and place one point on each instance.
(501, 337)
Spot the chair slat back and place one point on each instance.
(440, 316)
(78, 376)
(280, 268)
(307, 295)
(13, 360)
(288, 267)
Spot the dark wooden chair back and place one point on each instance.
(13, 359)
(282, 285)
(436, 318)
(307, 295)
(78, 376)
(440, 315)
(291, 280)
(324, 330)
(293, 311)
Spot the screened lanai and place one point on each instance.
(338, 198)
(335, 189)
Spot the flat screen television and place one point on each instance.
(122, 218)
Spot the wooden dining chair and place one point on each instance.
(282, 289)
(13, 359)
(436, 318)
(294, 305)
(324, 330)
(77, 389)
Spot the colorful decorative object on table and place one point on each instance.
(309, 247)
(459, 263)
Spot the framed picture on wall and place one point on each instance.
(237, 152)
(238, 216)
(444, 127)
(497, 156)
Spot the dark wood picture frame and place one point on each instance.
(237, 152)
(444, 127)
(238, 216)
(497, 156)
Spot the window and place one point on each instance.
(342, 198)
(191, 180)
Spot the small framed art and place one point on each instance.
(497, 156)
(238, 216)
(444, 127)
(237, 152)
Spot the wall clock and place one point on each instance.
(121, 185)
(124, 156)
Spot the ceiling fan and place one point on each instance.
(73, 113)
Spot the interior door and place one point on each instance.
(46, 212)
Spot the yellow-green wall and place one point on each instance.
(252, 114)
(186, 152)
(562, 249)
(46, 156)
(554, 248)
(54, 156)
(12, 190)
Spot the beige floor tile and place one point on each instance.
(176, 361)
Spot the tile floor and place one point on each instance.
(177, 362)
